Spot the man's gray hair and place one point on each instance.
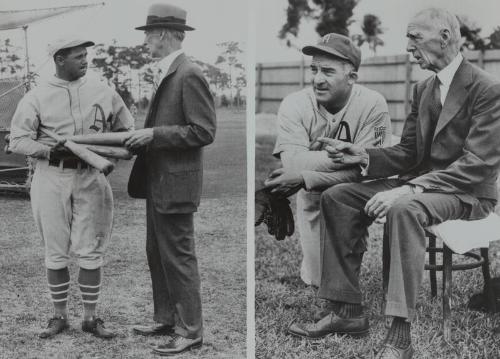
(443, 19)
(176, 34)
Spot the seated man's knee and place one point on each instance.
(337, 193)
(404, 207)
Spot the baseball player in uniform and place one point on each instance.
(72, 202)
(334, 107)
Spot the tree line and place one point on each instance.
(130, 69)
(336, 16)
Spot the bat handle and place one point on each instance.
(93, 159)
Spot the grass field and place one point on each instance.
(126, 300)
(282, 297)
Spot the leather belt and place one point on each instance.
(73, 163)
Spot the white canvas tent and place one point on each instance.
(16, 19)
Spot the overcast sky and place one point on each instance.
(226, 20)
(215, 21)
(394, 15)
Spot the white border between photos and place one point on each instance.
(250, 129)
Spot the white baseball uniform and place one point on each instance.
(72, 207)
(301, 120)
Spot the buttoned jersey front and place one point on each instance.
(67, 108)
(72, 207)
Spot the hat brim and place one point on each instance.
(313, 50)
(86, 44)
(72, 44)
(167, 25)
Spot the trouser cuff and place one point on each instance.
(340, 296)
(396, 309)
(162, 319)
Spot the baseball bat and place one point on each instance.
(106, 138)
(93, 159)
(110, 151)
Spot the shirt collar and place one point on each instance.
(54, 80)
(446, 75)
(164, 64)
(339, 112)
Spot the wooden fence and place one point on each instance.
(392, 76)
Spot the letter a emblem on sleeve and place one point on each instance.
(379, 132)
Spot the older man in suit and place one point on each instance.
(168, 173)
(447, 162)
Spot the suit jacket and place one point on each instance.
(464, 150)
(182, 115)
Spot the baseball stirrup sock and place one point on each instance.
(58, 282)
(89, 281)
(399, 333)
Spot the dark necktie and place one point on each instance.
(435, 106)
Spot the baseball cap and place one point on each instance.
(67, 43)
(337, 45)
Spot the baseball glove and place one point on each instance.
(275, 212)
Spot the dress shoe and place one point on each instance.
(331, 324)
(56, 325)
(154, 330)
(390, 352)
(96, 327)
(178, 344)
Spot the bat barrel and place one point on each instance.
(93, 159)
(110, 151)
(106, 139)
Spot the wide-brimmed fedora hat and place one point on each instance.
(166, 16)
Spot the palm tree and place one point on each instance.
(329, 15)
(371, 31)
